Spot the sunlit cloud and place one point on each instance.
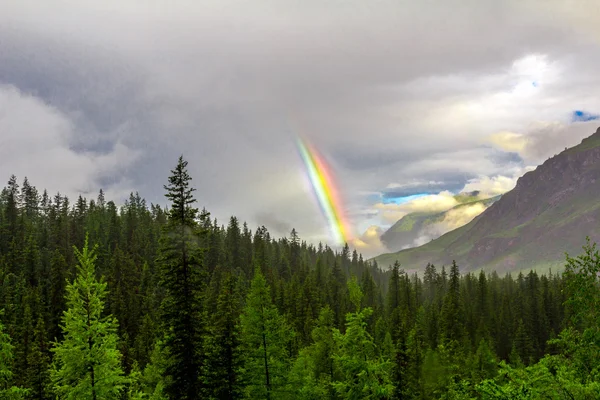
(391, 212)
(369, 243)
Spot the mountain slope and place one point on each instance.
(421, 227)
(551, 210)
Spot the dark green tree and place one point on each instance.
(224, 357)
(180, 261)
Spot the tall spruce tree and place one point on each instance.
(87, 362)
(180, 261)
(452, 310)
(265, 335)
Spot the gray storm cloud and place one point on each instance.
(389, 91)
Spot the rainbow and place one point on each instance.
(325, 191)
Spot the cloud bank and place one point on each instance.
(401, 97)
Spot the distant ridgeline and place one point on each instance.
(417, 228)
(550, 211)
(137, 302)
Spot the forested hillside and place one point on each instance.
(141, 302)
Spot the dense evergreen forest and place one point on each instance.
(141, 302)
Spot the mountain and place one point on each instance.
(550, 211)
(417, 228)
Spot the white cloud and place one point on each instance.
(493, 186)
(222, 81)
(35, 142)
(391, 213)
(541, 140)
(509, 141)
(453, 219)
(369, 243)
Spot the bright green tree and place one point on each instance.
(265, 335)
(314, 370)
(364, 374)
(87, 362)
(7, 391)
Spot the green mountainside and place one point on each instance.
(411, 228)
(550, 211)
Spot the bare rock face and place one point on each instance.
(550, 211)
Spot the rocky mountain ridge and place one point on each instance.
(549, 212)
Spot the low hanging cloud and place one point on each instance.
(453, 219)
(369, 243)
(490, 186)
(442, 201)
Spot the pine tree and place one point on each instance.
(223, 350)
(152, 379)
(324, 345)
(7, 391)
(364, 374)
(87, 362)
(400, 371)
(180, 260)
(38, 363)
(265, 335)
(58, 279)
(452, 310)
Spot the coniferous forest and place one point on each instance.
(142, 302)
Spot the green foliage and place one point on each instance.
(181, 273)
(38, 362)
(356, 294)
(582, 279)
(87, 362)
(153, 380)
(265, 338)
(223, 351)
(7, 391)
(573, 371)
(364, 374)
(195, 320)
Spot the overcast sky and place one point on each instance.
(402, 97)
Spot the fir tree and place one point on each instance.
(452, 311)
(265, 334)
(180, 260)
(87, 362)
(363, 372)
(223, 350)
(38, 363)
(7, 391)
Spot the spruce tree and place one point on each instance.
(180, 261)
(364, 373)
(452, 311)
(38, 363)
(7, 391)
(265, 335)
(224, 357)
(87, 364)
